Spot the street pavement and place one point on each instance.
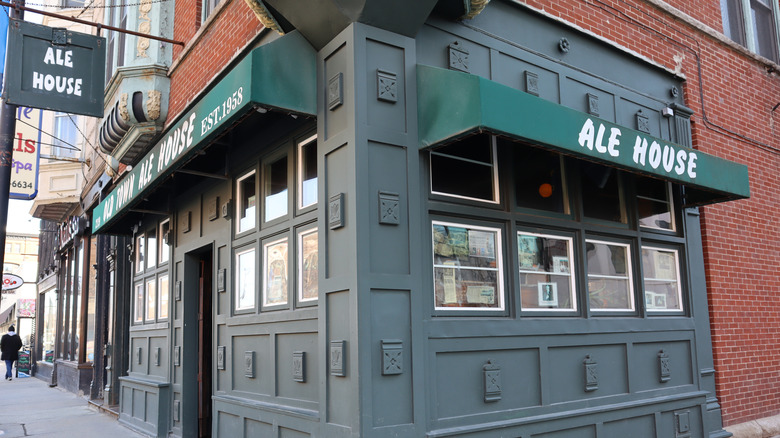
(30, 408)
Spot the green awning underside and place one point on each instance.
(280, 75)
(452, 105)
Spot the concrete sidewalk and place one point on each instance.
(30, 408)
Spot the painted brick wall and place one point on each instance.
(741, 238)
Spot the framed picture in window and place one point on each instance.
(245, 279)
(275, 273)
(527, 252)
(548, 294)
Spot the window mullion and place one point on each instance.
(750, 30)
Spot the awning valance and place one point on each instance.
(452, 104)
(279, 75)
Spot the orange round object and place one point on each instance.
(545, 190)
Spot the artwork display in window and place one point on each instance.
(609, 276)
(275, 273)
(467, 267)
(661, 280)
(546, 282)
(245, 279)
(308, 264)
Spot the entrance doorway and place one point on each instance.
(197, 386)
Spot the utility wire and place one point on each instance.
(104, 6)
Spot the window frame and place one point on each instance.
(150, 299)
(573, 264)
(495, 171)
(139, 302)
(299, 181)
(301, 233)
(629, 276)
(264, 281)
(745, 25)
(679, 280)
(669, 202)
(140, 253)
(239, 200)
(499, 269)
(266, 162)
(163, 291)
(238, 252)
(164, 248)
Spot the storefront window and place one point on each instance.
(661, 280)
(654, 204)
(539, 182)
(77, 287)
(546, 280)
(49, 325)
(308, 266)
(140, 249)
(151, 300)
(151, 249)
(610, 285)
(601, 193)
(162, 300)
(466, 169)
(307, 172)
(247, 202)
(245, 279)
(275, 273)
(138, 309)
(165, 248)
(467, 267)
(275, 189)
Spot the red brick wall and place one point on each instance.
(741, 238)
(221, 37)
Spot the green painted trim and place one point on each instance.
(452, 104)
(280, 75)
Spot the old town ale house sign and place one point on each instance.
(56, 69)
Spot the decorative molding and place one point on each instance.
(458, 57)
(222, 280)
(221, 357)
(336, 211)
(531, 83)
(249, 364)
(138, 355)
(682, 424)
(593, 104)
(177, 292)
(156, 356)
(337, 364)
(473, 8)
(124, 113)
(177, 355)
(153, 104)
(389, 206)
(664, 367)
(387, 86)
(642, 122)
(184, 222)
(265, 17)
(176, 410)
(299, 366)
(591, 374)
(145, 27)
(491, 376)
(392, 357)
(564, 45)
(336, 91)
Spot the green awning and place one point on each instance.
(452, 105)
(279, 75)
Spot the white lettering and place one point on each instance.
(655, 155)
(189, 131)
(586, 134)
(49, 57)
(692, 165)
(668, 159)
(681, 157)
(614, 141)
(599, 138)
(37, 80)
(48, 82)
(640, 150)
(68, 59)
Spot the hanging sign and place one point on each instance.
(57, 69)
(11, 282)
(27, 152)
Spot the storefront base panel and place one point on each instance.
(45, 371)
(235, 417)
(143, 405)
(662, 417)
(73, 377)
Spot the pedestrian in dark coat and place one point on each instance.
(10, 344)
